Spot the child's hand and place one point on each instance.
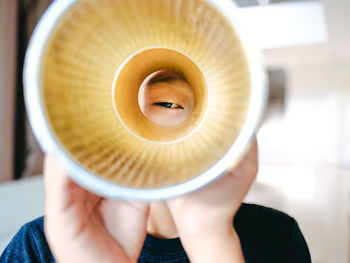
(83, 227)
(204, 219)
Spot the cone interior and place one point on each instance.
(127, 88)
(94, 55)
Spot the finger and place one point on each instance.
(54, 175)
(120, 216)
(56, 181)
(244, 174)
(61, 191)
(248, 166)
(252, 153)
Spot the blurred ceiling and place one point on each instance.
(282, 23)
(245, 3)
(334, 51)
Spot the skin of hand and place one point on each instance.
(204, 219)
(83, 227)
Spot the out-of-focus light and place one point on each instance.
(263, 2)
(283, 24)
(300, 182)
(296, 181)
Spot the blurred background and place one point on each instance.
(304, 140)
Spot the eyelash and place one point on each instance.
(168, 105)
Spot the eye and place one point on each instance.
(168, 105)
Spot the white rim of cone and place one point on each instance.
(50, 143)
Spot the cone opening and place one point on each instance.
(160, 94)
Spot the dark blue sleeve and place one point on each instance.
(28, 245)
(297, 250)
(268, 235)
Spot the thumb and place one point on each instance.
(60, 190)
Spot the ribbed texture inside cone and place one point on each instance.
(86, 50)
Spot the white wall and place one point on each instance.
(20, 202)
(305, 153)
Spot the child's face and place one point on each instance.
(166, 98)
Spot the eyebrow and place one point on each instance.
(167, 77)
